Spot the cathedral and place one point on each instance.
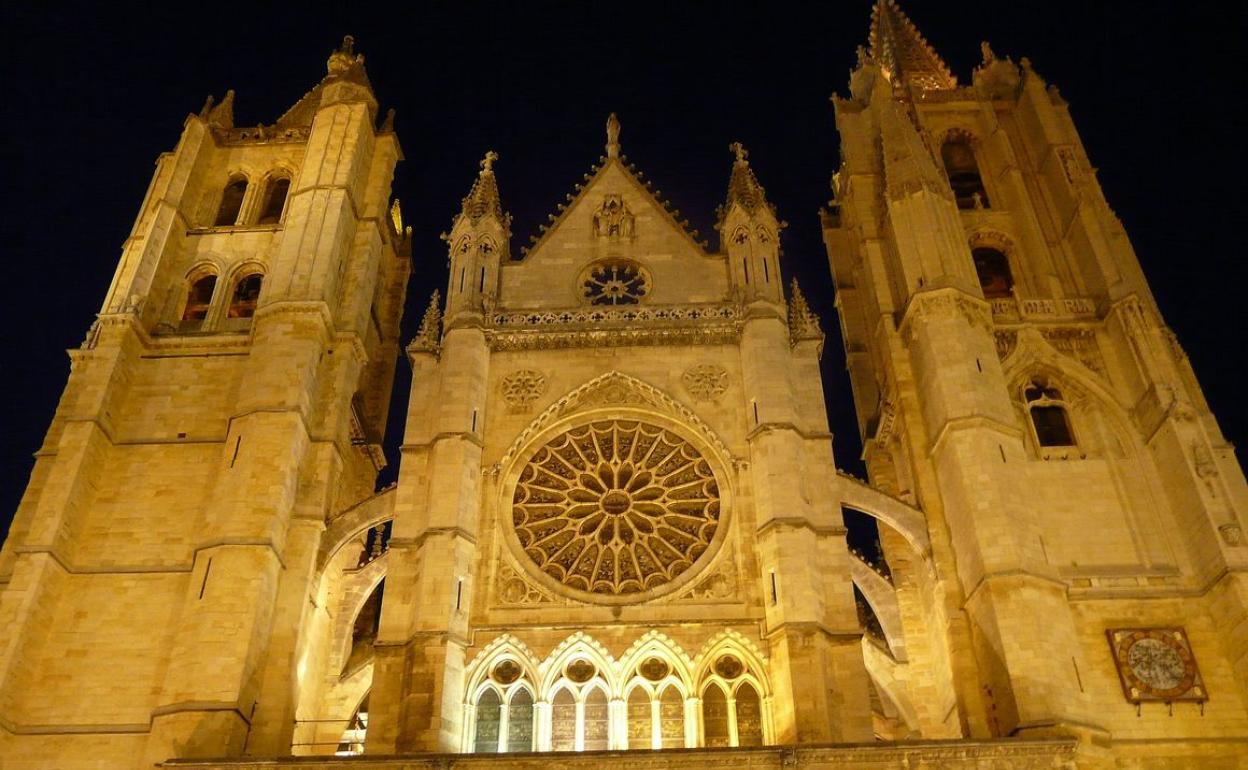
(618, 530)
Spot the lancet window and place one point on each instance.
(246, 295)
(274, 200)
(963, 170)
(1049, 417)
(198, 301)
(993, 269)
(504, 714)
(231, 202)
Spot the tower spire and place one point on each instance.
(898, 47)
(483, 198)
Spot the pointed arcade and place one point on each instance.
(902, 52)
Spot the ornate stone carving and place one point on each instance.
(613, 220)
(705, 382)
(514, 590)
(1006, 342)
(523, 387)
(615, 282)
(1078, 343)
(719, 585)
(616, 507)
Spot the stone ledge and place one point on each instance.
(1017, 754)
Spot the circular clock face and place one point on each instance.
(1156, 664)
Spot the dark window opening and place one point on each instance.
(963, 171)
(274, 202)
(1052, 427)
(246, 295)
(364, 630)
(199, 298)
(231, 203)
(993, 269)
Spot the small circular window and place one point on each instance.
(614, 282)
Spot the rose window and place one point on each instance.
(616, 507)
(615, 282)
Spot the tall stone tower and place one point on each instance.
(616, 523)
(230, 396)
(1014, 378)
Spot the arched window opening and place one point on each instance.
(274, 201)
(749, 716)
(993, 269)
(520, 722)
(489, 710)
(198, 300)
(563, 722)
(671, 718)
(364, 631)
(246, 295)
(357, 728)
(231, 203)
(597, 720)
(1048, 416)
(640, 719)
(715, 717)
(963, 171)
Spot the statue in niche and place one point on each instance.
(613, 219)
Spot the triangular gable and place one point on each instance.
(587, 195)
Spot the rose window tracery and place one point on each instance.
(615, 282)
(616, 507)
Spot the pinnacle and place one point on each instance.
(898, 47)
(613, 136)
(743, 186)
(483, 198)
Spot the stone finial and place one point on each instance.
(613, 136)
(483, 198)
(803, 323)
(985, 50)
(387, 125)
(739, 151)
(743, 187)
(345, 58)
(429, 338)
(223, 114)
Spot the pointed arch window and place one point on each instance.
(198, 301)
(597, 721)
(274, 200)
(993, 269)
(1049, 417)
(489, 711)
(749, 716)
(563, 721)
(968, 186)
(246, 295)
(231, 202)
(715, 716)
(671, 708)
(520, 722)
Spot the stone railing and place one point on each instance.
(1014, 753)
(597, 326)
(262, 134)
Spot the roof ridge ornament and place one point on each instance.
(613, 136)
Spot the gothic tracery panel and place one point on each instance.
(616, 507)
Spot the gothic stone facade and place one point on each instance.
(618, 524)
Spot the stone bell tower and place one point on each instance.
(229, 398)
(1014, 378)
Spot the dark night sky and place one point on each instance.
(91, 97)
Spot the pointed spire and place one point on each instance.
(483, 197)
(743, 186)
(428, 339)
(803, 323)
(613, 136)
(344, 65)
(902, 52)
